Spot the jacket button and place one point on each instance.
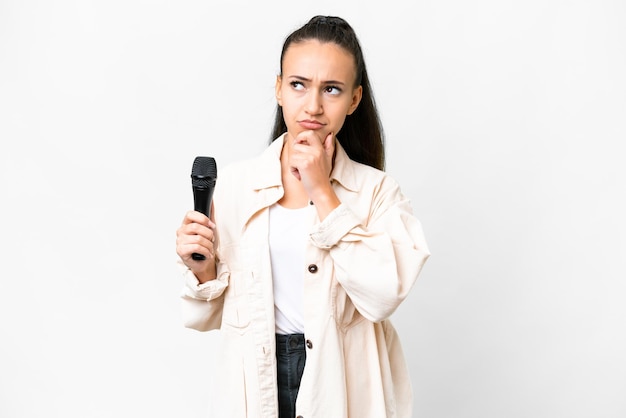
(309, 344)
(312, 268)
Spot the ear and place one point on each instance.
(357, 94)
(277, 88)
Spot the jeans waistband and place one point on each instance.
(288, 343)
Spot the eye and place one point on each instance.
(296, 85)
(332, 90)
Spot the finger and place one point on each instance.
(196, 217)
(301, 139)
(186, 251)
(186, 243)
(329, 144)
(309, 138)
(295, 172)
(196, 235)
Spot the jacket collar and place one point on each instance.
(344, 169)
(268, 174)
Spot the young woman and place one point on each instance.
(311, 249)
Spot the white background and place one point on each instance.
(505, 122)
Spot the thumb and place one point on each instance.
(329, 144)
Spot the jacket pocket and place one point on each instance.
(345, 313)
(236, 313)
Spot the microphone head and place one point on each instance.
(203, 172)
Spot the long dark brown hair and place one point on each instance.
(362, 133)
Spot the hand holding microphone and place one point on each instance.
(194, 238)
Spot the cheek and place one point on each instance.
(288, 103)
(337, 124)
(287, 110)
(338, 116)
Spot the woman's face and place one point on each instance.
(316, 89)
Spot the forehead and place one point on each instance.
(313, 58)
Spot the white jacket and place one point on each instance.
(362, 261)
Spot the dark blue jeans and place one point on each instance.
(290, 359)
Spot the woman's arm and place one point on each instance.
(377, 257)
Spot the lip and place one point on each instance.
(311, 124)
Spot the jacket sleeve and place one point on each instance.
(377, 256)
(202, 304)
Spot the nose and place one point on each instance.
(313, 104)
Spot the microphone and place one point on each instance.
(203, 176)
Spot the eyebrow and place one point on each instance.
(300, 78)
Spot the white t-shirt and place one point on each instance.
(288, 232)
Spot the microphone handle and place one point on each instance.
(202, 197)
